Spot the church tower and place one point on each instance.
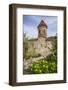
(42, 30)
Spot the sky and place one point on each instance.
(31, 22)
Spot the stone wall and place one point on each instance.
(41, 47)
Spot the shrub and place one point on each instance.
(43, 66)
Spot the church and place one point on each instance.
(41, 45)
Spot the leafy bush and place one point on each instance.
(43, 66)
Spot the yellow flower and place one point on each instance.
(43, 65)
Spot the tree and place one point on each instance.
(54, 48)
(25, 46)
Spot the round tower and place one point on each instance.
(42, 30)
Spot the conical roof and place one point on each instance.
(42, 23)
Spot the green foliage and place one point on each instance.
(25, 46)
(54, 48)
(43, 66)
(29, 52)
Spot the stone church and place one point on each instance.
(42, 44)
